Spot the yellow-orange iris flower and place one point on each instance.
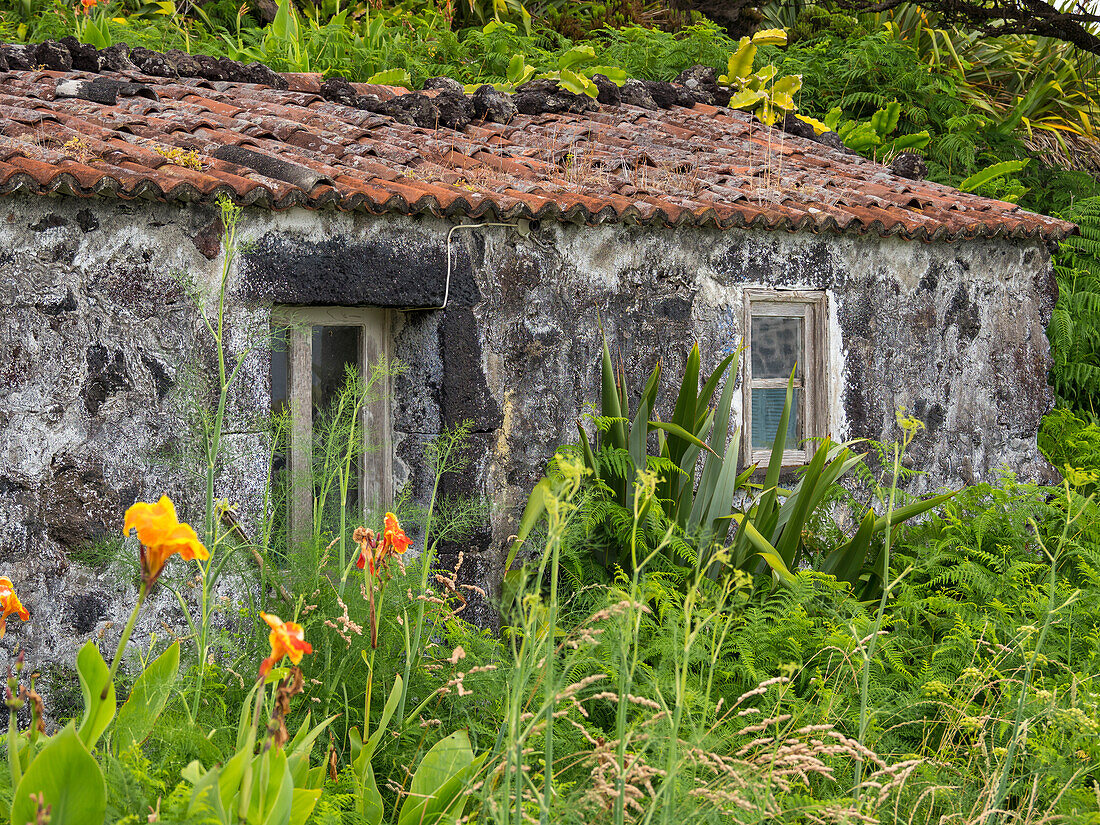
(10, 604)
(286, 640)
(161, 535)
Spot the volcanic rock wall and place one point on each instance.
(105, 361)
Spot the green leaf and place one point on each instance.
(147, 700)
(285, 24)
(739, 65)
(763, 547)
(576, 56)
(302, 803)
(906, 143)
(578, 84)
(94, 676)
(990, 173)
(833, 118)
(680, 432)
(69, 779)
(788, 85)
(885, 120)
(536, 506)
(368, 803)
(613, 73)
(387, 713)
(391, 77)
(612, 408)
(770, 37)
(436, 793)
(747, 99)
(902, 514)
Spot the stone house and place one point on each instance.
(479, 241)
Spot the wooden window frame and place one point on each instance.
(810, 306)
(375, 465)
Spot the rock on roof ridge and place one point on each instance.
(123, 123)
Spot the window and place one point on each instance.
(783, 331)
(308, 372)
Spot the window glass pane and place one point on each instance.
(280, 378)
(767, 408)
(776, 345)
(334, 350)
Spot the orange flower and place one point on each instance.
(87, 5)
(286, 640)
(394, 540)
(10, 604)
(394, 537)
(161, 535)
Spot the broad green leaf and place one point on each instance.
(368, 803)
(885, 120)
(578, 84)
(613, 73)
(437, 791)
(770, 37)
(917, 140)
(680, 432)
(576, 56)
(782, 101)
(302, 804)
(746, 99)
(788, 85)
(612, 408)
(833, 118)
(391, 77)
(763, 76)
(763, 547)
(68, 778)
(902, 514)
(739, 65)
(94, 676)
(387, 714)
(147, 700)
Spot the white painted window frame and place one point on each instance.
(376, 464)
(810, 306)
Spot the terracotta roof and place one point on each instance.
(703, 166)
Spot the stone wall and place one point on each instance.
(104, 356)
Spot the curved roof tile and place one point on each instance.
(702, 166)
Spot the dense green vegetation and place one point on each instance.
(671, 652)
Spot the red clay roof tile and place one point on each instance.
(704, 165)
